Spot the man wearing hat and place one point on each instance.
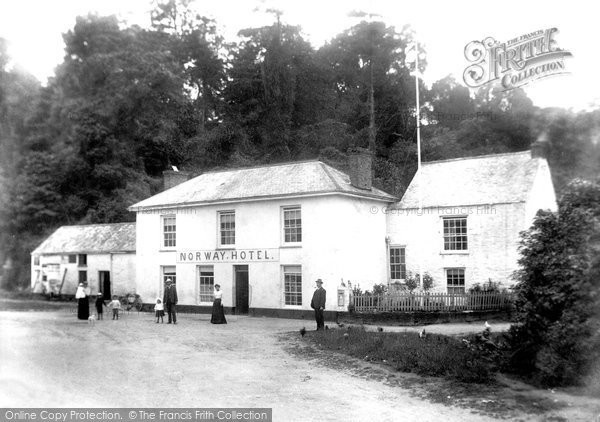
(318, 304)
(170, 300)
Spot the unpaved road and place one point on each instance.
(51, 359)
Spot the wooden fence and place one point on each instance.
(445, 302)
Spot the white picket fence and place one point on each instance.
(445, 302)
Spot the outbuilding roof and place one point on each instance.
(487, 179)
(92, 238)
(303, 178)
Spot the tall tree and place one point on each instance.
(267, 69)
(19, 93)
(370, 58)
(199, 49)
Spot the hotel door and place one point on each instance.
(241, 289)
(104, 284)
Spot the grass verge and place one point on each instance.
(432, 355)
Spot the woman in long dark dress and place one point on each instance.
(218, 315)
(83, 304)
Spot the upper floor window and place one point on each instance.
(169, 235)
(455, 234)
(292, 225)
(72, 259)
(82, 260)
(397, 263)
(455, 279)
(36, 260)
(227, 228)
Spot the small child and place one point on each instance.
(99, 304)
(116, 306)
(159, 310)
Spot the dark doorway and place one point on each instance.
(241, 289)
(104, 284)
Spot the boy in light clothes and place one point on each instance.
(116, 306)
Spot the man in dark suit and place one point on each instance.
(318, 304)
(170, 301)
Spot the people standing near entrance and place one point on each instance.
(83, 303)
(159, 310)
(318, 304)
(115, 304)
(218, 315)
(99, 305)
(170, 301)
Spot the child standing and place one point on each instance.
(99, 304)
(159, 310)
(116, 306)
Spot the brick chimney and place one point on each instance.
(360, 161)
(173, 178)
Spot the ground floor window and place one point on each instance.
(292, 280)
(83, 276)
(206, 282)
(168, 271)
(455, 279)
(397, 263)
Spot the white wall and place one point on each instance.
(120, 265)
(542, 195)
(342, 239)
(493, 235)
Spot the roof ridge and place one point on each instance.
(326, 169)
(98, 224)
(257, 166)
(476, 157)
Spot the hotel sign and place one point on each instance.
(228, 255)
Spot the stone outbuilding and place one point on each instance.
(102, 255)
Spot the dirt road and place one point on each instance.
(51, 359)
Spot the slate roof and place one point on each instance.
(280, 180)
(92, 238)
(487, 179)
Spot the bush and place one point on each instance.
(487, 287)
(413, 281)
(356, 290)
(379, 289)
(557, 335)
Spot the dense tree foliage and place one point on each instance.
(128, 102)
(557, 336)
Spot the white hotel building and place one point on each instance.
(265, 234)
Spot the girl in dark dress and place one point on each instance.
(83, 304)
(218, 316)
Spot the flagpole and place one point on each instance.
(419, 180)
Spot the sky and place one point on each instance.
(34, 31)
